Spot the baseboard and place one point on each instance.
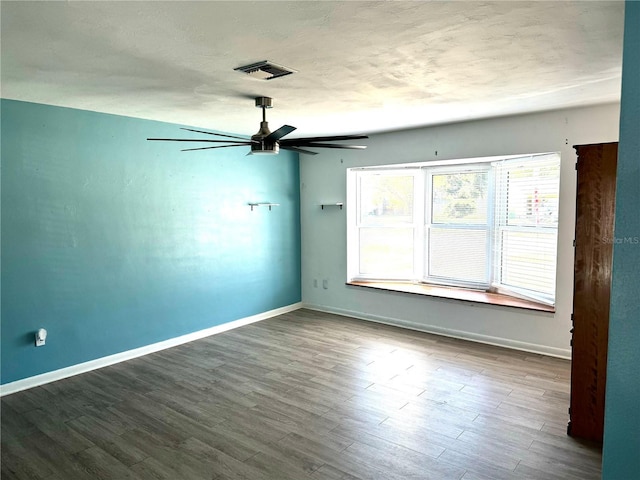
(448, 332)
(66, 372)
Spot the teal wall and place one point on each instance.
(111, 242)
(621, 454)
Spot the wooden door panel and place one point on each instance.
(595, 209)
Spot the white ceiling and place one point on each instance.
(363, 66)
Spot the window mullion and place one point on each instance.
(418, 222)
(426, 222)
(494, 204)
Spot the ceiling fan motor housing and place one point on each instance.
(260, 145)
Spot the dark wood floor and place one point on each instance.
(305, 395)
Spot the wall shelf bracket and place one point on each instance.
(255, 205)
(338, 204)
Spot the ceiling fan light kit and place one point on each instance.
(266, 142)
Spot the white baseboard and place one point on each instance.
(448, 332)
(66, 372)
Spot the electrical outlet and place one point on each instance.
(41, 336)
(315, 283)
(325, 284)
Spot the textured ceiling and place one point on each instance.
(363, 66)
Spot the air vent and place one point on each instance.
(265, 70)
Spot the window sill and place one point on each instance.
(455, 293)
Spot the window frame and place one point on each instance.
(429, 172)
(355, 224)
(498, 285)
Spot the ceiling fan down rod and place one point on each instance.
(264, 103)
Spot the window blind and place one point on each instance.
(457, 226)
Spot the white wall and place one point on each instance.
(323, 180)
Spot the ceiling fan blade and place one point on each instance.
(217, 134)
(296, 149)
(326, 139)
(323, 145)
(279, 133)
(246, 142)
(217, 146)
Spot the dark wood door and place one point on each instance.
(592, 284)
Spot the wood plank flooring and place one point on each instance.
(303, 396)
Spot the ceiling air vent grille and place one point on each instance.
(265, 70)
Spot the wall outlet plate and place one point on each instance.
(41, 336)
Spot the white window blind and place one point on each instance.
(457, 227)
(526, 225)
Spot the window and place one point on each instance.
(386, 224)
(488, 224)
(457, 227)
(526, 226)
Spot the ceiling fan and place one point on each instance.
(266, 142)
